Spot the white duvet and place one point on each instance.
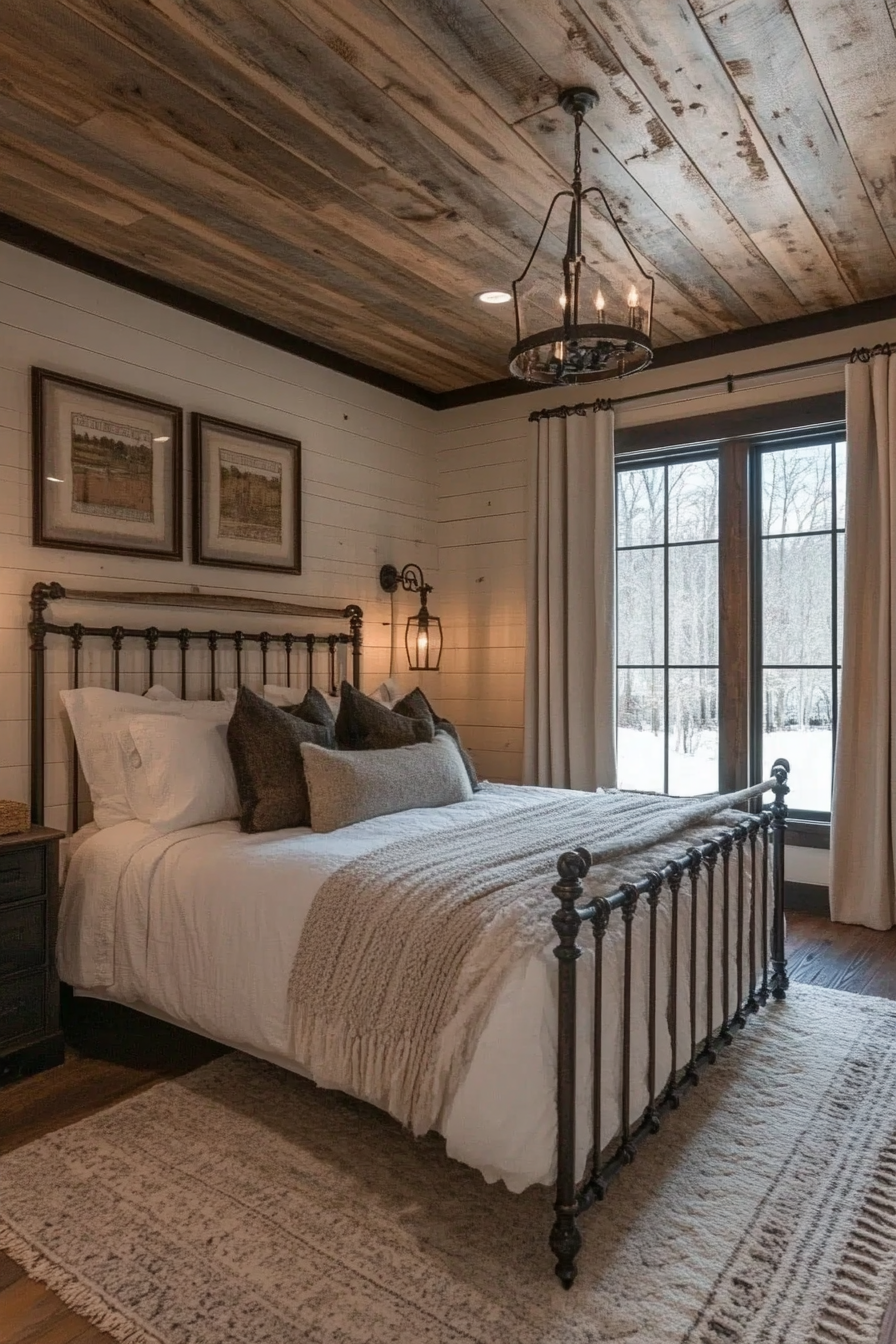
(201, 926)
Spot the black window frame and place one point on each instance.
(738, 437)
(759, 447)
(665, 460)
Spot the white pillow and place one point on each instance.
(178, 771)
(96, 714)
(160, 693)
(291, 695)
(388, 693)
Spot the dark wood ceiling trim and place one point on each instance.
(706, 347)
(825, 408)
(33, 239)
(49, 245)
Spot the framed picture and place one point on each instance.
(107, 469)
(246, 497)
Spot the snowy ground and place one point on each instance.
(809, 753)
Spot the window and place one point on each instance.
(679, 516)
(668, 625)
(800, 518)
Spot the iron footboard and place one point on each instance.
(760, 971)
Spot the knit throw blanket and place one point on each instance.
(404, 951)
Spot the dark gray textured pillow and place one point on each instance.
(363, 724)
(415, 705)
(313, 709)
(350, 786)
(265, 745)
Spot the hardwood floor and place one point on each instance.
(114, 1053)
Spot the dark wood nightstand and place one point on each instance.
(30, 1035)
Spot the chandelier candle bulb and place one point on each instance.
(635, 316)
(600, 303)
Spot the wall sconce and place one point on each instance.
(423, 635)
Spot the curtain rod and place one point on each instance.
(859, 354)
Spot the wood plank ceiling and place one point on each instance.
(355, 171)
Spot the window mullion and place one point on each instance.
(734, 615)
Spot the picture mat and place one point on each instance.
(103, 517)
(273, 544)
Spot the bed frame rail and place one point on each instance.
(295, 645)
(761, 971)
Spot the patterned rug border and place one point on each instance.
(88, 1300)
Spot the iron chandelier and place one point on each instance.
(602, 329)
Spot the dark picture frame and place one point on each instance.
(247, 497)
(107, 469)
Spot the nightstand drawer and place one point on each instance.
(22, 873)
(23, 937)
(22, 1006)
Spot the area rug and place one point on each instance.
(241, 1205)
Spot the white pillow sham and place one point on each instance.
(291, 695)
(96, 714)
(160, 693)
(178, 771)
(283, 695)
(388, 693)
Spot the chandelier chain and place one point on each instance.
(577, 160)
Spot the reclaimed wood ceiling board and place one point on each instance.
(355, 171)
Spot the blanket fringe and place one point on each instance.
(374, 1065)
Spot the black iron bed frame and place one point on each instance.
(42, 594)
(759, 938)
(766, 976)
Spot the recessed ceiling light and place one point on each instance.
(494, 296)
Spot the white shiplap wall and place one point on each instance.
(369, 479)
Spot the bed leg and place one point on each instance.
(566, 1242)
(566, 1239)
(780, 982)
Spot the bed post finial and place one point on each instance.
(566, 1239)
(41, 595)
(780, 982)
(355, 621)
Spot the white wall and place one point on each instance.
(482, 452)
(369, 486)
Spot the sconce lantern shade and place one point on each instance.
(423, 634)
(423, 641)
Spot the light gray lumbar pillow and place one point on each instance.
(349, 786)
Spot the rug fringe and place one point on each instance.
(85, 1301)
(862, 1283)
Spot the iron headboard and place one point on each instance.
(42, 594)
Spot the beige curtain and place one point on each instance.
(570, 696)
(863, 823)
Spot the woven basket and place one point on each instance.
(14, 817)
